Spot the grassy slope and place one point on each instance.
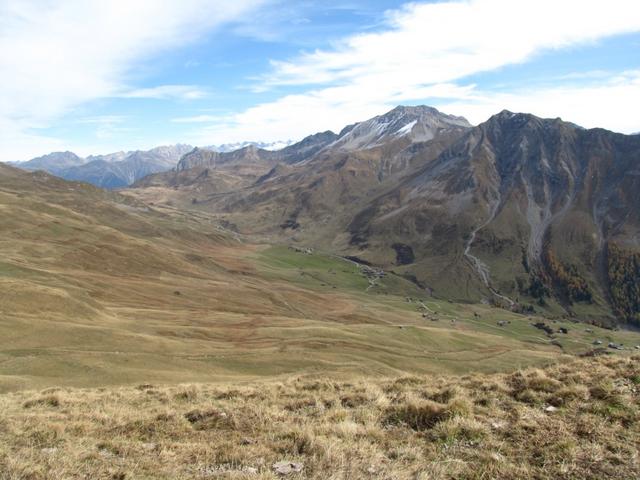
(577, 419)
(97, 289)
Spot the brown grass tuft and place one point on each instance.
(418, 415)
(44, 401)
(476, 427)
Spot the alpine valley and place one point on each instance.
(405, 299)
(533, 215)
(410, 242)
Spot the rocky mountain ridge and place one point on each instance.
(114, 170)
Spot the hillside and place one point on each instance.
(128, 293)
(533, 214)
(577, 419)
(524, 201)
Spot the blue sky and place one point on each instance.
(96, 77)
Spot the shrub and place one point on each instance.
(208, 419)
(45, 401)
(459, 429)
(420, 415)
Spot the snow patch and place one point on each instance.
(231, 147)
(406, 129)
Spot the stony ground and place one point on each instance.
(575, 420)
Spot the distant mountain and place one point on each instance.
(203, 157)
(115, 170)
(230, 147)
(322, 179)
(110, 157)
(308, 147)
(401, 126)
(418, 124)
(251, 152)
(54, 163)
(214, 172)
(325, 174)
(526, 212)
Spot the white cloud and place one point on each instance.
(425, 53)
(196, 119)
(106, 126)
(103, 119)
(609, 104)
(19, 144)
(295, 116)
(183, 92)
(441, 42)
(56, 55)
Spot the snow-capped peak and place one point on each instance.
(419, 124)
(230, 147)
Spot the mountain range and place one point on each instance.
(115, 170)
(410, 242)
(528, 213)
(533, 214)
(121, 169)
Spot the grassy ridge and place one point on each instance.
(576, 419)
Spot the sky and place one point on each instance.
(95, 77)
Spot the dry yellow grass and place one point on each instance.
(127, 294)
(101, 290)
(573, 420)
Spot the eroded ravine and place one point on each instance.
(478, 265)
